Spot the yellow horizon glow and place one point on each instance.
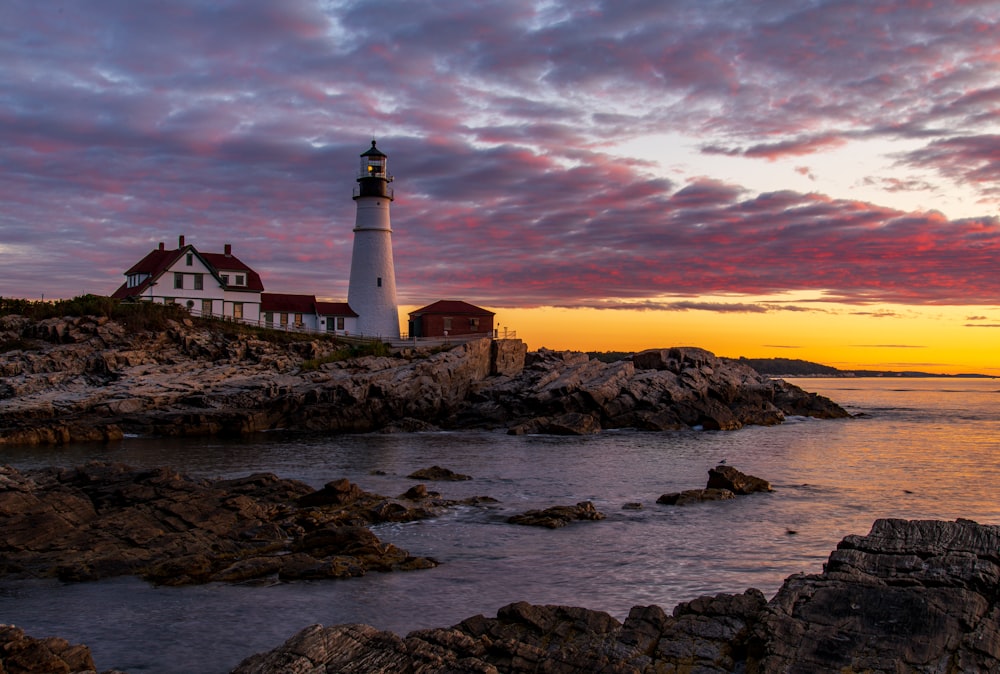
(937, 339)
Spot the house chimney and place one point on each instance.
(180, 241)
(161, 246)
(229, 250)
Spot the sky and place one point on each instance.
(800, 179)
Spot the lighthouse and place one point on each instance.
(372, 290)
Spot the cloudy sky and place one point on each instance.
(669, 170)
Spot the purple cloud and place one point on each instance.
(123, 125)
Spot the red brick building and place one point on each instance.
(451, 318)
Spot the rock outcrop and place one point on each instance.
(558, 516)
(88, 379)
(568, 393)
(916, 596)
(103, 520)
(724, 483)
(23, 654)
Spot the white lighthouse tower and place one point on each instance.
(372, 290)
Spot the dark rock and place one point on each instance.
(438, 473)
(909, 597)
(104, 519)
(557, 516)
(695, 496)
(727, 477)
(338, 492)
(22, 654)
(418, 492)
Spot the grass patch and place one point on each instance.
(346, 353)
(135, 316)
(146, 316)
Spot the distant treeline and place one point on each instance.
(791, 367)
(768, 366)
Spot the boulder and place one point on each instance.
(727, 477)
(438, 473)
(689, 496)
(557, 516)
(724, 483)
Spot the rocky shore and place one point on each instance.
(106, 519)
(911, 596)
(89, 379)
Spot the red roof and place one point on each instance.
(335, 309)
(452, 308)
(158, 261)
(222, 262)
(299, 304)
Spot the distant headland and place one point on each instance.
(793, 367)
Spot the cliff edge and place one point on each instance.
(89, 379)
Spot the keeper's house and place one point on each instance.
(450, 318)
(208, 284)
(222, 285)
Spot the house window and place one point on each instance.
(178, 280)
(284, 320)
(474, 323)
(447, 323)
(378, 282)
(199, 281)
(340, 322)
(240, 280)
(190, 259)
(237, 309)
(269, 318)
(298, 320)
(206, 307)
(225, 279)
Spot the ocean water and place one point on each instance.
(919, 448)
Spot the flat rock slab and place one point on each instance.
(106, 519)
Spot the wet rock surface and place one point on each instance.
(105, 519)
(913, 596)
(558, 516)
(89, 379)
(23, 654)
(724, 483)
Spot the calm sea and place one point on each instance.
(921, 448)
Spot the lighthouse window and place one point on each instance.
(379, 281)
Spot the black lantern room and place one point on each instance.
(373, 178)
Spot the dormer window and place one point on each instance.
(225, 279)
(240, 280)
